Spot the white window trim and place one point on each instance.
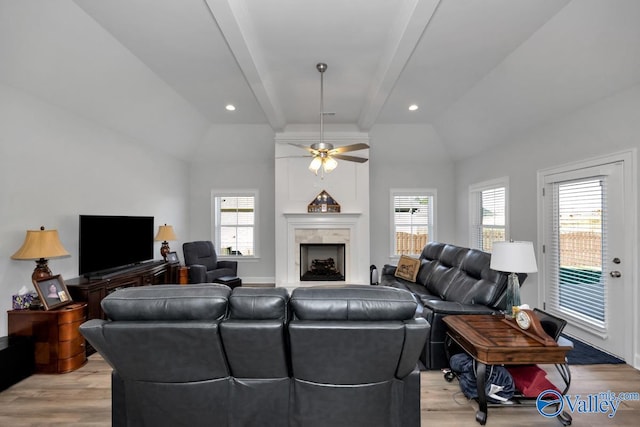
(410, 192)
(256, 223)
(474, 189)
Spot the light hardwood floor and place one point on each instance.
(83, 398)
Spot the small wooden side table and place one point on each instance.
(58, 345)
(492, 341)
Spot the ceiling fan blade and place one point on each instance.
(349, 158)
(347, 148)
(304, 147)
(305, 156)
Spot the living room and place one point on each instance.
(94, 120)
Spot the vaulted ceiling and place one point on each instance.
(479, 70)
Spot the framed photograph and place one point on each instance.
(172, 257)
(53, 292)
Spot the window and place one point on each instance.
(234, 219)
(412, 220)
(488, 213)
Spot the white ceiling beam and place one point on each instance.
(404, 36)
(236, 27)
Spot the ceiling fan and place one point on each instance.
(323, 153)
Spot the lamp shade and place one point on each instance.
(166, 233)
(41, 244)
(513, 257)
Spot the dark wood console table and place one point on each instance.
(92, 291)
(492, 341)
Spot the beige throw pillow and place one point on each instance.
(407, 268)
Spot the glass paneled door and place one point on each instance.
(586, 263)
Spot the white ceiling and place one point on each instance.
(161, 70)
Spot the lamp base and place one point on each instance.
(41, 271)
(513, 296)
(164, 250)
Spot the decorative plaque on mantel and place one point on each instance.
(323, 203)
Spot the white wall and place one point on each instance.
(55, 165)
(607, 126)
(236, 157)
(407, 156)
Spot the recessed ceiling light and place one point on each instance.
(230, 107)
(413, 107)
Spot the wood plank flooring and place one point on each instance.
(83, 398)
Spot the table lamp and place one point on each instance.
(39, 245)
(513, 257)
(165, 234)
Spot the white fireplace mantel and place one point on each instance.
(296, 187)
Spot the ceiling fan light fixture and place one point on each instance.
(329, 164)
(315, 165)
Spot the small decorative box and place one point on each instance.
(23, 302)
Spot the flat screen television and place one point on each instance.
(109, 243)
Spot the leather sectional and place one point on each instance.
(204, 354)
(450, 280)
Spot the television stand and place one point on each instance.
(93, 290)
(118, 271)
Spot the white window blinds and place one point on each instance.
(579, 246)
(235, 224)
(488, 218)
(412, 222)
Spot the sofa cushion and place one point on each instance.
(352, 302)
(168, 302)
(259, 304)
(476, 283)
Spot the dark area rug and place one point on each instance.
(584, 354)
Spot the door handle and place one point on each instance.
(615, 273)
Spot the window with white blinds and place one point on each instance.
(413, 220)
(578, 248)
(234, 224)
(488, 213)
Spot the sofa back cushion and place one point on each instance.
(444, 270)
(254, 335)
(360, 329)
(475, 282)
(165, 333)
(168, 302)
(352, 302)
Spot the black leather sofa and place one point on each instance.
(204, 354)
(450, 280)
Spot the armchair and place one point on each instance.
(203, 263)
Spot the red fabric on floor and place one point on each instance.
(531, 380)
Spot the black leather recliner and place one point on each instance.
(203, 263)
(205, 355)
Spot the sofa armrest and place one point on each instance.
(416, 332)
(233, 265)
(389, 269)
(454, 307)
(197, 273)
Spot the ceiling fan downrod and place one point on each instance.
(321, 67)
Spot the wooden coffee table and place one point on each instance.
(491, 340)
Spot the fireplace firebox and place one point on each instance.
(322, 261)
